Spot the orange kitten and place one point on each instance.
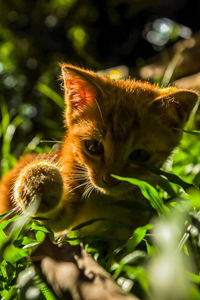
(111, 126)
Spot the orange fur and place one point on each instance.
(109, 123)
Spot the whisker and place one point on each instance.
(88, 190)
(91, 190)
(78, 173)
(79, 165)
(78, 179)
(99, 109)
(78, 186)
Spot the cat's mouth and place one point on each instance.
(115, 190)
(108, 185)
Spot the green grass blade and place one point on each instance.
(148, 191)
(194, 132)
(171, 177)
(87, 223)
(51, 94)
(137, 236)
(8, 213)
(5, 117)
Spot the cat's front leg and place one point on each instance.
(40, 182)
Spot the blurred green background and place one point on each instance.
(36, 35)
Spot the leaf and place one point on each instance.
(11, 294)
(26, 240)
(132, 257)
(148, 191)
(40, 236)
(8, 213)
(3, 237)
(137, 237)
(196, 180)
(4, 294)
(166, 186)
(140, 274)
(186, 250)
(13, 254)
(39, 227)
(45, 290)
(171, 177)
(87, 223)
(47, 91)
(3, 267)
(194, 293)
(5, 223)
(194, 132)
(5, 117)
(194, 277)
(118, 271)
(194, 198)
(151, 250)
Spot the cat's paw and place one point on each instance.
(40, 181)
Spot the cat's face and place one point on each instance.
(114, 126)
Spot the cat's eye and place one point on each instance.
(94, 147)
(140, 155)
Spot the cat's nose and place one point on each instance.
(109, 181)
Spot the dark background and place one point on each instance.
(36, 35)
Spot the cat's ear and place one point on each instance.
(175, 106)
(81, 89)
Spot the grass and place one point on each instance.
(160, 260)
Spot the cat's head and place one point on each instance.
(116, 125)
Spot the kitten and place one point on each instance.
(111, 127)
